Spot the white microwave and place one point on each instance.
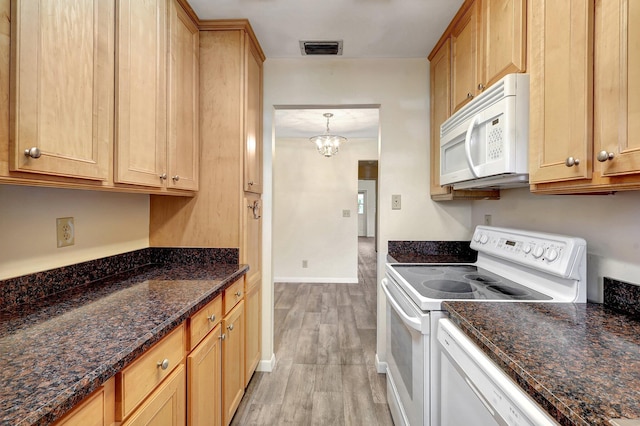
(486, 142)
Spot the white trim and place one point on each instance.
(381, 366)
(267, 365)
(312, 280)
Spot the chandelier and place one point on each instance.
(328, 144)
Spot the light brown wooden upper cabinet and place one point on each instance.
(561, 80)
(585, 96)
(465, 54)
(157, 122)
(62, 88)
(488, 41)
(253, 118)
(183, 118)
(141, 102)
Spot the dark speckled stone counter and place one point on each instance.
(57, 350)
(581, 362)
(431, 252)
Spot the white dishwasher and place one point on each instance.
(474, 391)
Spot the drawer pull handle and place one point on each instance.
(605, 156)
(570, 162)
(238, 293)
(230, 327)
(212, 318)
(223, 336)
(164, 364)
(33, 152)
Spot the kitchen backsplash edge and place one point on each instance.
(29, 288)
(431, 252)
(622, 296)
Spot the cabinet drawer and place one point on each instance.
(233, 294)
(139, 379)
(203, 321)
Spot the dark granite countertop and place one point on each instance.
(57, 350)
(431, 252)
(581, 362)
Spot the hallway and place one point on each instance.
(325, 343)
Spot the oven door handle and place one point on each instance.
(411, 321)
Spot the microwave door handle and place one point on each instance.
(467, 145)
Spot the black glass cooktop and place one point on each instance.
(464, 282)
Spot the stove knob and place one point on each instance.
(476, 237)
(551, 254)
(527, 249)
(538, 252)
(483, 239)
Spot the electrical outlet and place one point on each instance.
(65, 231)
(487, 219)
(346, 213)
(305, 264)
(396, 202)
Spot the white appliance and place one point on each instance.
(486, 142)
(474, 391)
(512, 266)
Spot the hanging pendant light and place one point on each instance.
(328, 144)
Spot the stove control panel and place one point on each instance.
(556, 254)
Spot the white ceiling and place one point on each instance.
(368, 28)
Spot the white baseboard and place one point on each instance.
(381, 366)
(267, 365)
(315, 280)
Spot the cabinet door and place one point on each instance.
(503, 39)
(251, 251)
(440, 75)
(253, 332)
(561, 79)
(465, 50)
(183, 126)
(97, 409)
(204, 382)
(253, 119)
(617, 88)
(141, 106)
(62, 88)
(232, 362)
(167, 404)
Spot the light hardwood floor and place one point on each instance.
(325, 343)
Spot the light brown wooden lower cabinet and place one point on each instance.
(204, 381)
(232, 361)
(253, 315)
(97, 409)
(166, 405)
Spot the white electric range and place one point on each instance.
(512, 266)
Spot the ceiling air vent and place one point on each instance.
(321, 47)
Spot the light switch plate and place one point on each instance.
(346, 213)
(65, 231)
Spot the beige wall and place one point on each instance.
(609, 224)
(105, 224)
(310, 194)
(401, 88)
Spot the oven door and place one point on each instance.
(407, 349)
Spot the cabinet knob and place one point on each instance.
(251, 183)
(605, 156)
(223, 336)
(480, 86)
(212, 318)
(570, 162)
(469, 95)
(230, 327)
(164, 364)
(238, 293)
(163, 176)
(33, 152)
(176, 178)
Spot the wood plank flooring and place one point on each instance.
(325, 344)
